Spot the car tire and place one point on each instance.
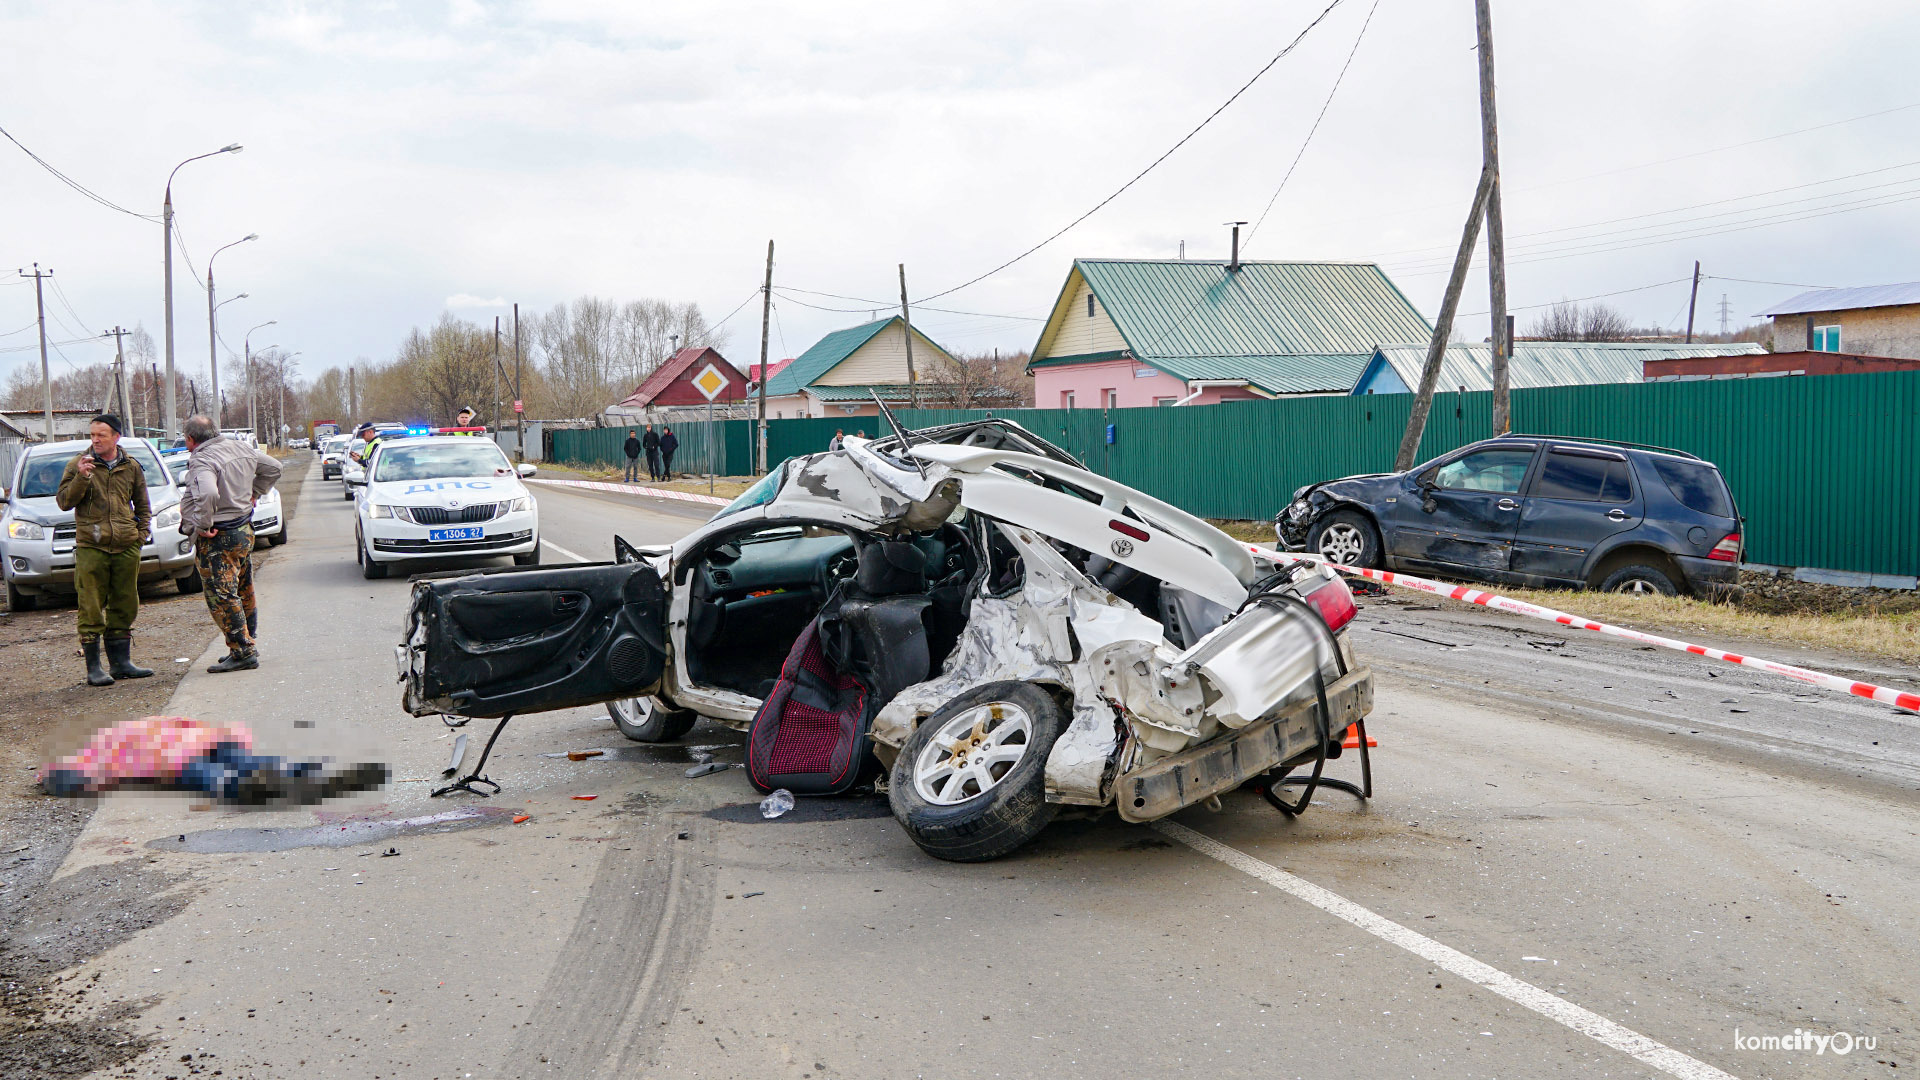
(280, 537)
(369, 569)
(346, 492)
(190, 584)
(1011, 807)
(18, 601)
(529, 558)
(645, 720)
(1639, 578)
(1346, 537)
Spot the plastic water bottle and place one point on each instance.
(776, 804)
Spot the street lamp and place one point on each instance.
(246, 345)
(166, 231)
(213, 334)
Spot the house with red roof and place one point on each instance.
(676, 384)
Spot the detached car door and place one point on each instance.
(1468, 510)
(519, 641)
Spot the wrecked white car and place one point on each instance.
(1001, 630)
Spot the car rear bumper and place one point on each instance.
(1166, 785)
(1709, 578)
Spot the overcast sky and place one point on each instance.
(406, 158)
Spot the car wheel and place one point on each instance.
(190, 584)
(346, 492)
(530, 558)
(18, 601)
(644, 719)
(970, 783)
(1640, 579)
(369, 569)
(1346, 537)
(280, 537)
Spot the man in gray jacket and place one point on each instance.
(224, 479)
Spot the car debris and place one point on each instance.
(1000, 632)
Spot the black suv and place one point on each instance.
(1533, 510)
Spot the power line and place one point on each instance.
(1153, 165)
(75, 184)
(734, 312)
(873, 304)
(61, 295)
(1316, 122)
(1751, 281)
(1697, 206)
(1580, 299)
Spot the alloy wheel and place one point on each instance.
(1342, 543)
(972, 751)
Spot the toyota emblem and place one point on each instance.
(1123, 548)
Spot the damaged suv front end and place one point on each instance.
(1101, 647)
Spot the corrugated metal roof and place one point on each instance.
(820, 358)
(1546, 363)
(1286, 327)
(1867, 296)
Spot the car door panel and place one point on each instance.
(533, 640)
(1463, 517)
(1577, 500)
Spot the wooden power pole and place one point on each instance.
(1496, 237)
(766, 314)
(1691, 298)
(906, 317)
(46, 373)
(124, 406)
(1443, 328)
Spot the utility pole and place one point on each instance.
(120, 375)
(495, 415)
(353, 402)
(1726, 309)
(1692, 297)
(766, 314)
(1496, 236)
(913, 384)
(519, 399)
(46, 373)
(1443, 327)
(253, 419)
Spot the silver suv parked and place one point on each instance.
(36, 536)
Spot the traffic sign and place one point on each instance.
(710, 382)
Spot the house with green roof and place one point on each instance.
(1133, 332)
(840, 374)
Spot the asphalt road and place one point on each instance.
(1583, 826)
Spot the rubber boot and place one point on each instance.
(120, 659)
(237, 660)
(96, 675)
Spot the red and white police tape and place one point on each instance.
(633, 489)
(1887, 695)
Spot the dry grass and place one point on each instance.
(1866, 622)
(726, 487)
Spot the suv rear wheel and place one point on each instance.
(1639, 578)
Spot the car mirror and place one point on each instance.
(525, 468)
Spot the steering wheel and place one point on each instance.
(841, 567)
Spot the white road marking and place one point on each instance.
(1592, 1024)
(557, 549)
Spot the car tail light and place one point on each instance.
(1334, 603)
(1727, 550)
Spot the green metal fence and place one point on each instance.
(1825, 468)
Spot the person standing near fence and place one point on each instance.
(669, 442)
(650, 442)
(224, 479)
(107, 491)
(632, 449)
(839, 439)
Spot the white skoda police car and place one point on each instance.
(443, 496)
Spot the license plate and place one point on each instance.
(470, 533)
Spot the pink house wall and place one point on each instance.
(1090, 384)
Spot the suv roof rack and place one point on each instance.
(1604, 442)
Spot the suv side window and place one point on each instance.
(1586, 477)
(1697, 485)
(1500, 471)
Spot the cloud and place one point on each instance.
(468, 300)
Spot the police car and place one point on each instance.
(436, 496)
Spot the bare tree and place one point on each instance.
(977, 381)
(1568, 321)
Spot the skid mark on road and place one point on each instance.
(616, 980)
(1586, 1022)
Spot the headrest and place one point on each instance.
(891, 567)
